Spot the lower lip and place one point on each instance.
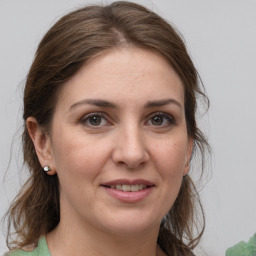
(129, 197)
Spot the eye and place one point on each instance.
(157, 120)
(161, 120)
(94, 120)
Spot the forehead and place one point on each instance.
(126, 73)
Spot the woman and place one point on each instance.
(109, 133)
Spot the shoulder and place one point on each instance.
(40, 250)
(20, 252)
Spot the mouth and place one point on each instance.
(128, 187)
(129, 191)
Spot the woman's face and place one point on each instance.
(119, 141)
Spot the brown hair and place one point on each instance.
(71, 42)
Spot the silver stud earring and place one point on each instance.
(47, 168)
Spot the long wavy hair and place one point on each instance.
(67, 46)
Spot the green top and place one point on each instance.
(40, 250)
(243, 248)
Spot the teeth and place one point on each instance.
(134, 188)
(129, 188)
(118, 187)
(126, 187)
(141, 186)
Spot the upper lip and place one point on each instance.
(128, 182)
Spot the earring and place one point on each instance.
(47, 168)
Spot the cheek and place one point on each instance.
(75, 153)
(171, 170)
(78, 164)
(170, 155)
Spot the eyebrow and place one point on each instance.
(159, 103)
(107, 104)
(95, 102)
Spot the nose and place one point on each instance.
(130, 149)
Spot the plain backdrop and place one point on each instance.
(221, 38)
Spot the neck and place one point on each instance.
(77, 236)
(84, 240)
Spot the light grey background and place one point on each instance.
(221, 36)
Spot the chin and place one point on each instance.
(131, 224)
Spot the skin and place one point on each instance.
(140, 134)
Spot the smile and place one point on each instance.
(129, 188)
(129, 191)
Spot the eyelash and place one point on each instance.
(86, 119)
(165, 118)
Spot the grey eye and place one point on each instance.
(161, 119)
(157, 120)
(95, 120)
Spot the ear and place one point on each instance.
(188, 155)
(42, 144)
